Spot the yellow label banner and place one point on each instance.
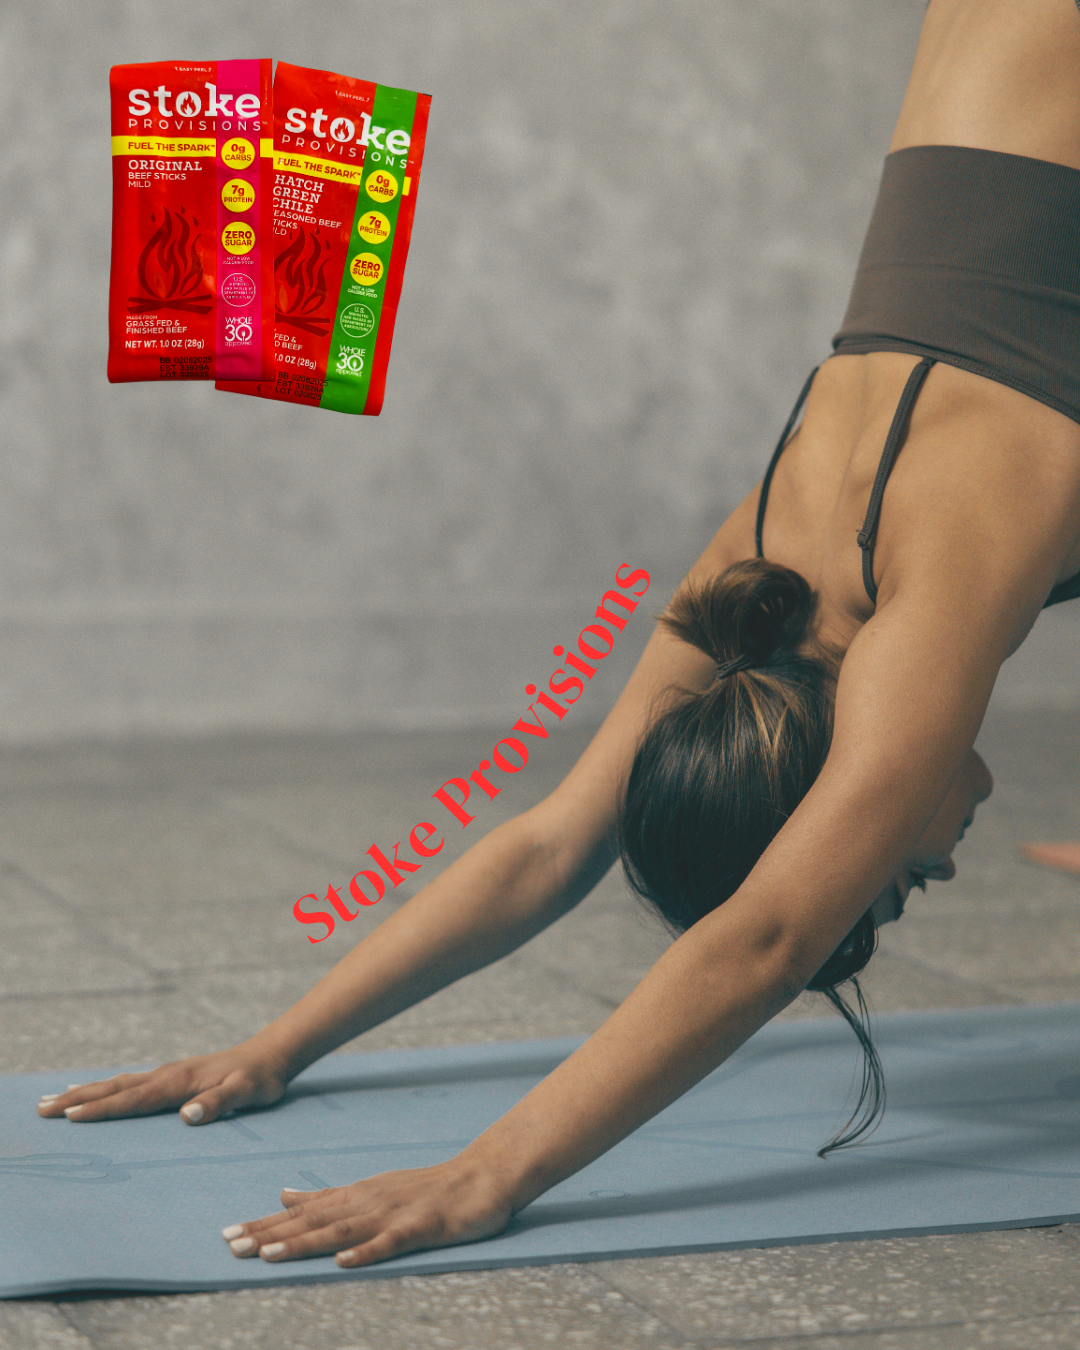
(266, 148)
(318, 168)
(177, 147)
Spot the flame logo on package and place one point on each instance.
(300, 284)
(350, 361)
(238, 153)
(238, 195)
(343, 129)
(237, 289)
(381, 185)
(357, 320)
(189, 105)
(366, 269)
(170, 269)
(238, 237)
(374, 227)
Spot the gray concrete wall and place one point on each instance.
(636, 231)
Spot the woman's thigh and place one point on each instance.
(997, 75)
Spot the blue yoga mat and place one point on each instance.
(982, 1132)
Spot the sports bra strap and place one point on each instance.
(780, 447)
(865, 537)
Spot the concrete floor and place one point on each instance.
(145, 897)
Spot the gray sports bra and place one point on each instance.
(970, 259)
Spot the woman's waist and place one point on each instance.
(982, 212)
(971, 259)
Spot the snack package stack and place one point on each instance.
(347, 157)
(190, 292)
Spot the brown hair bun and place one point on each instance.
(754, 609)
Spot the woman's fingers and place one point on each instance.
(379, 1248)
(373, 1220)
(139, 1099)
(203, 1089)
(293, 1235)
(70, 1102)
(297, 1217)
(332, 1231)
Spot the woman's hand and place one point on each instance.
(386, 1215)
(203, 1087)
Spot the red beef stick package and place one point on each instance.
(190, 294)
(347, 159)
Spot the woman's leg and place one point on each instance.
(996, 75)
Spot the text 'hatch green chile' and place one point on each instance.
(347, 157)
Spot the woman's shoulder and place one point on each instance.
(983, 502)
(985, 490)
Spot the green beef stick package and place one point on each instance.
(347, 157)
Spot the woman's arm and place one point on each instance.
(509, 886)
(911, 696)
(912, 692)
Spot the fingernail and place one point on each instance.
(72, 1111)
(285, 1190)
(344, 1256)
(49, 1097)
(72, 1086)
(241, 1246)
(274, 1249)
(193, 1112)
(234, 1230)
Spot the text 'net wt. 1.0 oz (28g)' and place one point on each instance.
(190, 293)
(347, 157)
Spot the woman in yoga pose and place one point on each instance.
(796, 741)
